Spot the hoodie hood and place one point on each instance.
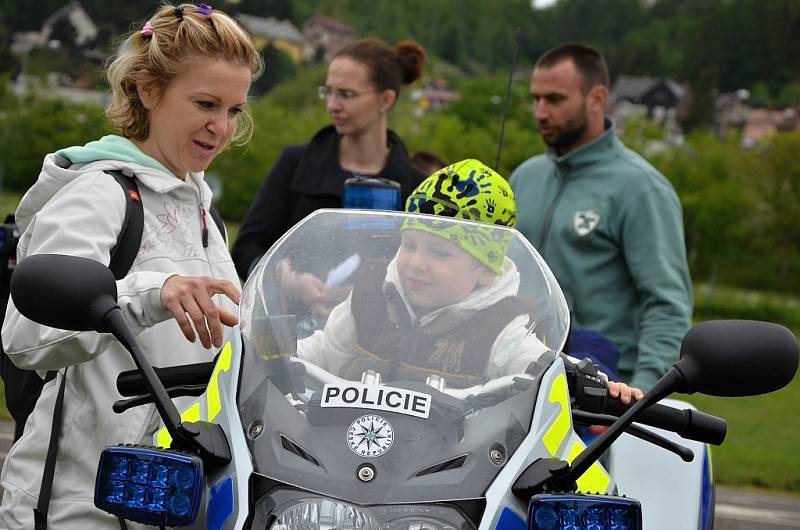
(109, 153)
(506, 284)
(110, 147)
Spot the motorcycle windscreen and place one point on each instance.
(402, 349)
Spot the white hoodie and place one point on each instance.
(77, 209)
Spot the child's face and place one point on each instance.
(435, 272)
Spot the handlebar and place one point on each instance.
(130, 383)
(688, 423)
(590, 393)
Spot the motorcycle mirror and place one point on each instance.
(737, 358)
(64, 292)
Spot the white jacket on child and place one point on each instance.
(335, 346)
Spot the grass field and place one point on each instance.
(763, 431)
(763, 436)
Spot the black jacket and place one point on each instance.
(305, 178)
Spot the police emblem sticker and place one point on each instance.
(370, 436)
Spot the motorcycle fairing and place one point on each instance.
(551, 435)
(425, 464)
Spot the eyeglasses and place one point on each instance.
(342, 94)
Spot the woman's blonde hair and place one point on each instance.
(151, 57)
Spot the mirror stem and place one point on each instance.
(166, 408)
(664, 387)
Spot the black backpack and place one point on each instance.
(23, 387)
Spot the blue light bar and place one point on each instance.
(369, 193)
(583, 512)
(152, 486)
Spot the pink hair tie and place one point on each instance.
(147, 30)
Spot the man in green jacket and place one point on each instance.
(608, 224)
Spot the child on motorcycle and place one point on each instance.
(443, 279)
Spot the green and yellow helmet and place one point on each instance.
(467, 190)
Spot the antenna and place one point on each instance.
(517, 35)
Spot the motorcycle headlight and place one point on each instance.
(578, 512)
(308, 514)
(320, 513)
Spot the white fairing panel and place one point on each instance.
(673, 500)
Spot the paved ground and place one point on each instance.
(740, 510)
(735, 509)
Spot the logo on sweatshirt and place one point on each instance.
(585, 221)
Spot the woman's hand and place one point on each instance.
(188, 299)
(624, 392)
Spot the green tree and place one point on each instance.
(777, 179)
(278, 67)
(36, 125)
(280, 9)
(713, 179)
(760, 95)
(789, 95)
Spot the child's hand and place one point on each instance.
(623, 392)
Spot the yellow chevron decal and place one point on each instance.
(595, 478)
(212, 396)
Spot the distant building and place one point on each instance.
(79, 19)
(85, 30)
(730, 111)
(660, 96)
(325, 36)
(664, 101)
(761, 124)
(55, 87)
(281, 34)
(23, 43)
(433, 96)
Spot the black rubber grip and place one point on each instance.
(688, 423)
(130, 383)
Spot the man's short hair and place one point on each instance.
(587, 60)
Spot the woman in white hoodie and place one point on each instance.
(179, 88)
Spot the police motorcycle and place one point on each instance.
(472, 431)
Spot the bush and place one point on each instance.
(34, 126)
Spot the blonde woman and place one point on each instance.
(179, 93)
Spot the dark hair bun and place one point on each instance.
(411, 56)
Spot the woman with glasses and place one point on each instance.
(363, 83)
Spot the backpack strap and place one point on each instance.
(130, 236)
(43, 505)
(122, 255)
(217, 217)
